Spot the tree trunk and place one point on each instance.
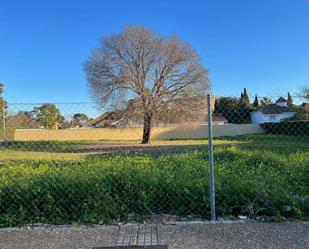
(147, 128)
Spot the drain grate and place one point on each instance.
(137, 236)
(133, 247)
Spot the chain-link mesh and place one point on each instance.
(265, 173)
(81, 163)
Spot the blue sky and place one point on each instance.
(262, 45)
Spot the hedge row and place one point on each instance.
(293, 128)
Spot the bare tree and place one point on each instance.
(305, 93)
(138, 63)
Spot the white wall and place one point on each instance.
(282, 103)
(260, 118)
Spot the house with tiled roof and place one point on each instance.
(107, 119)
(273, 113)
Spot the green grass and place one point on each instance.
(55, 150)
(255, 176)
(66, 150)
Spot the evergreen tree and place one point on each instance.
(216, 107)
(290, 99)
(234, 111)
(256, 102)
(244, 99)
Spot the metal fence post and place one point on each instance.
(211, 161)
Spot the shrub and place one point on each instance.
(293, 128)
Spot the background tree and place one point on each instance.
(79, 119)
(290, 100)
(216, 107)
(266, 101)
(302, 112)
(3, 111)
(1, 107)
(159, 72)
(233, 110)
(305, 93)
(256, 103)
(49, 116)
(3, 103)
(244, 98)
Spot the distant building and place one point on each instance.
(132, 116)
(22, 121)
(273, 113)
(108, 119)
(219, 119)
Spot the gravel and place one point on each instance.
(288, 235)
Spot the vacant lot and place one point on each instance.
(67, 150)
(98, 182)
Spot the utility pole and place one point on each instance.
(3, 110)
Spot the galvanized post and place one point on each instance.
(211, 161)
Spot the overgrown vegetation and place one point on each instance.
(250, 180)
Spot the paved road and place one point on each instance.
(223, 236)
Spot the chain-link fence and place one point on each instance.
(83, 163)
